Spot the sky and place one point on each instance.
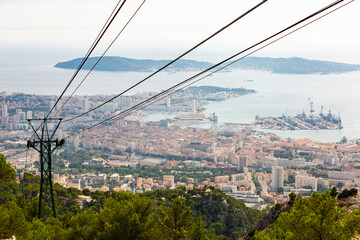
(54, 31)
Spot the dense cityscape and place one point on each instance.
(133, 154)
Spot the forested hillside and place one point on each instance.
(205, 213)
(326, 216)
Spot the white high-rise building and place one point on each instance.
(125, 101)
(305, 181)
(242, 163)
(4, 110)
(4, 120)
(29, 115)
(330, 159)
(194, 106)
(168, 103)
(85, 104)
(277, 176)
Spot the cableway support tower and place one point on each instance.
(44, 143)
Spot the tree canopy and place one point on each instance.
(316, 217)
(205, 213)
(7, 173)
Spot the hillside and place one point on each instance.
(293, 65)
(330, 215)
(222, 214)
(204, 213)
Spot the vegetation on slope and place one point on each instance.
(317, 217)
(205, 213)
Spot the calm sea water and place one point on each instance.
(277, 93)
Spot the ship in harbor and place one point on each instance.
(213, 117)
(191, 116)
(301, 121)
(198, 116)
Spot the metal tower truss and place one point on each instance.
(43, 141)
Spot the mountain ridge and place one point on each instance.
(293, 65)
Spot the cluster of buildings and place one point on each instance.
(254, 167)
(17, 121)
(16, 108)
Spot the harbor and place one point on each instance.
(301, 121)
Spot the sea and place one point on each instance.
(277, 94)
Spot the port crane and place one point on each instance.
(311, 107)
(284, 114)
(243, 82)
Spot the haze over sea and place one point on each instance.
(277, 93)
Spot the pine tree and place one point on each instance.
(175, 221)
(314, 218)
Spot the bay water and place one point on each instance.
(277, 94)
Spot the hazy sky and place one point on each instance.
(49, 30)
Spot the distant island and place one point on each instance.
(295, 65)
(292, 65)
(117, 64)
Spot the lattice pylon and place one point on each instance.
(44, 143)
